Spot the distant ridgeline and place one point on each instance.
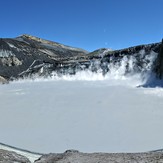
(28, 56)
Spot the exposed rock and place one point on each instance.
(159, 63)
(3, 80)
(77, 157)
(12, 157)
(11, 61)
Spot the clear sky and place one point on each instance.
(88, 24)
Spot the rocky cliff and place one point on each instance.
(27, 56)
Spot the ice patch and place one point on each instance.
(6, 53)
(12, 46)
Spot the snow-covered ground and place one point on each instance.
(94, 115)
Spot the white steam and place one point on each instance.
(133, 70)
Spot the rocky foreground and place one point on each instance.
(11, 157)
(72, 156)
(29, 56)
(77, 157)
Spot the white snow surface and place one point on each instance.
(106, 115)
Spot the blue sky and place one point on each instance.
(88, 24)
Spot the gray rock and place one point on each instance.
(12, 157)
(77, 157)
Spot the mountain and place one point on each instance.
(29, 56)
(25, 52)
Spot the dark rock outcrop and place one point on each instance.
(77, 157)
(27, 56)
(159, 63)
(11, 157)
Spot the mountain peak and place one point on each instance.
(30, 37)
(47, 42)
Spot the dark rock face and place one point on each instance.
(77, 157)
(159, 63)
(11, 157)
(27, 56)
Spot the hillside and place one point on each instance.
(28, 56)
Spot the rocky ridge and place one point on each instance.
(27, 56)
(73, 156)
